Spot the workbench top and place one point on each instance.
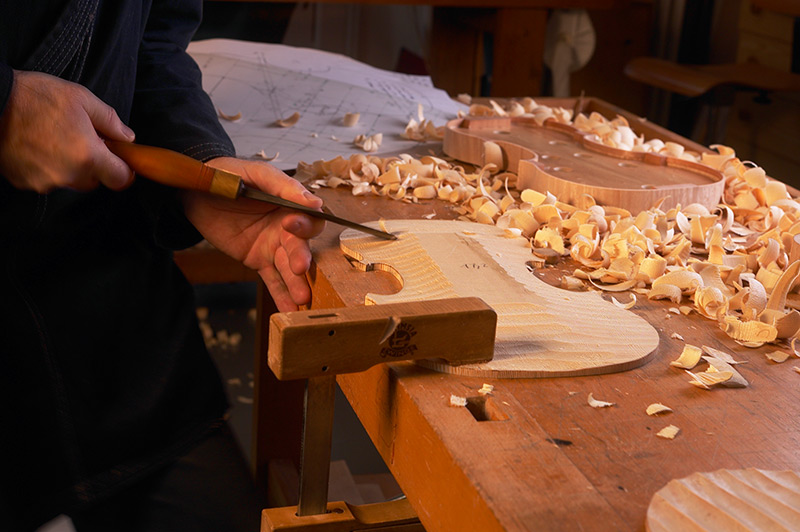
(534, 455)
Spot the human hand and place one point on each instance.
(263, 237)
(51, 136)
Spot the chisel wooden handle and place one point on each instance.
(314, 343)
(175, 169)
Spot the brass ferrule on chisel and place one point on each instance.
(226, 184)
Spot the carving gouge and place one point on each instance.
(177, 170)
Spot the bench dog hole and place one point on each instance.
(485, 408)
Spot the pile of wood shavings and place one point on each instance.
(731, 264)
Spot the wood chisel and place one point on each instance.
(177, 170)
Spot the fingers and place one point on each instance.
(110, 170)
(288, 290)
(106, 167)
(295, 282)
(51, 136)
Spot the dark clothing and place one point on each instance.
(208, 489)
(104, 376)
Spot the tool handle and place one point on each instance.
(175, 169)
(316, 343)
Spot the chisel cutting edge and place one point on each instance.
(177, 170)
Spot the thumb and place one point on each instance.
(106, 122)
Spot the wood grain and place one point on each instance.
(566, 162)
(314, 343)
(542, 331)
(727, 501)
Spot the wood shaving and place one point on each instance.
(669, 432)
(288, 122)
(456, 400)
(262, 155)
(369, 143)
(627, 306)
(777, 356)
(594, 403)
(351, 119)
(707, 379)
(657, 408)
(796, 369)
(420, 129)
(676, 336)
(486, 389)
(716, 365)
(689, 357)
(722, 355)
(230, 118)
(729, 264)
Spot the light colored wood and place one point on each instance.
(555, 462)
(542, 331)
(727, 501)
(558, 158)
(314, 343)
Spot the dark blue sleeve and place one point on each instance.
(170, 108)
(6, 81)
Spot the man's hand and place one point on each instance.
(263, 237)
(51, 136)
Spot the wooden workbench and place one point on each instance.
(538, 457)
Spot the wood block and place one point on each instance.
(329, 342)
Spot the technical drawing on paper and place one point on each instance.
(266, 83)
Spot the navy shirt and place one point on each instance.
(103, 373)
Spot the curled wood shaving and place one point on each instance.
(627, 306)
(669, 432)
(717, 365)
(288, 122)
(729, 264)
(369, 143)
(689, 357)
(594, 403)
(420, 129)
(721, 355)
(351, 119)
(230, 118)
(657, 408)
(676, 336)
(262, 155)
(777, 356)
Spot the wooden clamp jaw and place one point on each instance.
(319, 344)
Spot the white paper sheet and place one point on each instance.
(267, 82)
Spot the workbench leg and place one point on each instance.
(277, 409)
